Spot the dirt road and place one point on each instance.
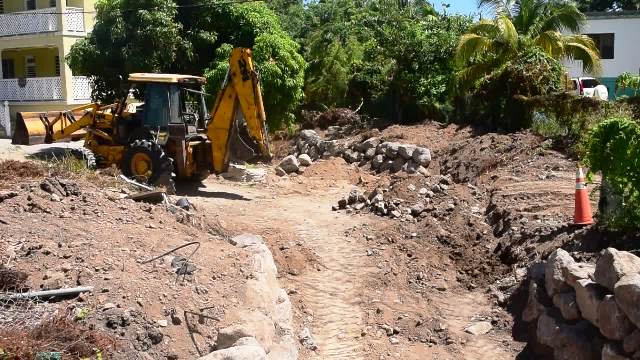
(324, 264)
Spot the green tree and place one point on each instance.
(129, 36)
(520, 25)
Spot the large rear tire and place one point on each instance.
(145, 161)
(87, 156)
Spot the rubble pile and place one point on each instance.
(377, 154)
(379, 202)
(584, 311)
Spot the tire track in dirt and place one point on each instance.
(334, 290)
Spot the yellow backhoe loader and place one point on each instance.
(171, 133)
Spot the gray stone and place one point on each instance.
(377, 161)
(569, 342)
(369, 144)
(631, 342)
(243, 352)
(578, 271)
(304, 160)
(247, 341)
(396, 213)
(533, 309)
(307, 340)
(406, 151)
(613, 265)
(290, 164)
(566, 303)
(479, 328)
(280, 171)
(245, 240)
(386, 165)
(422, 156)
(369, 153)
(423, 171)
(613, 323)
(589, 295)
(397, 165)
(612, 352)
(411, 167)
(355, 197)
(254, 324)
(554, 279)
(351, 156)
(417, 209)
(392, 150)
(309, 134)
(627, 291)
(547, 330)
(382, 148)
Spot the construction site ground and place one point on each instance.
(367, 287)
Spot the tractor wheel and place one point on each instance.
(87, 156)
(145, 161)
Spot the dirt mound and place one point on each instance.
(333, 169)
(332, 117)
(467, 160)
(12, 170)
(432, 135)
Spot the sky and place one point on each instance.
(465, 7)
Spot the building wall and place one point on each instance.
(45, 60)
(626, 48)
(20, 5)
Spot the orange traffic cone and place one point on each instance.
(582, 215)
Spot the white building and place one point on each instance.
(617, 34)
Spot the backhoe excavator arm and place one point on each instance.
(240, 92)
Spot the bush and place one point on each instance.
(613, 148)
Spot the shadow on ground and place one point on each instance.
(198, 189)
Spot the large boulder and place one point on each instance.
(406, 151)
(377, 161)
(631, 342)
(589, 295)
(569, 342)
(368, 144)
(252, 324)
(422, 156)
(568, 306)
(613, 265)
(612, 351)
(627, 294)
(578, 271)
(392, 150)
(397, 165)
(289, 164)
(554, 272)
(613, 323)
(309, 134)
(243, 352)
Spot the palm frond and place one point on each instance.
(469, 76)
(563, 17)
(582, 47)
(471, 46)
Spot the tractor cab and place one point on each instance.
(172, 103)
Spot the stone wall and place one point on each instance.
(585, 311)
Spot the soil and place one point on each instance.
(367, 287)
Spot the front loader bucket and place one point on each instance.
(38, 127)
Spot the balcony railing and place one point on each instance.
(44, 89)
(74, 19)
(29, 22)
(41, 21)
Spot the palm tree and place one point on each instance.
(520, 25)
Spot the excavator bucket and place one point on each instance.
(38, 127)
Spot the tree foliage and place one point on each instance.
(191, 37)
(518, 26)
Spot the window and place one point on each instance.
(8, 69)
(30, 4)
(604, 43)
(29, 66)
(52, 3)
(1, 6)
(57, 60)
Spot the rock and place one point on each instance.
(417, 209)
(397, 165)
(406, 151)
(422, 156)
(423, 171)
(566, 303)
(479, 328)
(534, 308)
(359, 206)
(376, 195)
(369, 144)
(308, 135)
(570, 342)
(612, 352)
(289, 164)
(355, 197)
(243, 352)
(280, 171)
(578, 271)
(613, 323)
(245, 240)
(370, 153)
(5, 195)
(423, 191)
(631, 342)
(392, 150)
(589, 295)
(237, 172)
(613, 265)
(55, 198)
(627, 295)
(307, 340)
(163, 323)
(304, 160)
(108, 306)
(395, 214)
(394, 340)
(554, 280)
(377, 161)
(342, 204)
(411, 167)
(254, 324)
(53, 280)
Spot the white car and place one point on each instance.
(589, 87)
